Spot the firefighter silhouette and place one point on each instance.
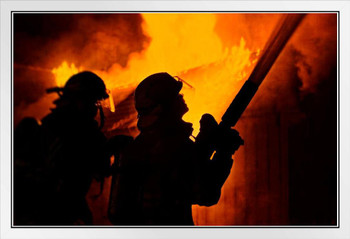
(56, 161)
(162, 173)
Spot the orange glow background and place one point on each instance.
(214, 54)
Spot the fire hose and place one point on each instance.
(274, 46)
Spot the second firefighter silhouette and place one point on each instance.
(163, 172)
(56, 161)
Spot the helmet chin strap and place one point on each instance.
(102, 117)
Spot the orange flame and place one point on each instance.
(64, 71)
(193, 51)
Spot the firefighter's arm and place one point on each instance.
(215, 171)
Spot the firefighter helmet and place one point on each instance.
(159, 88)
(86, 85)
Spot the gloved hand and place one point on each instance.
(222, 140)
(115, 146)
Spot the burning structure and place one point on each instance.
(286, 173)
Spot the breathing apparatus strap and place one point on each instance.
(102, 117)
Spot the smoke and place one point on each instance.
(94, 40)
(316, 44)
(43, 41)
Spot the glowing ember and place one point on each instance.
(111, 102)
